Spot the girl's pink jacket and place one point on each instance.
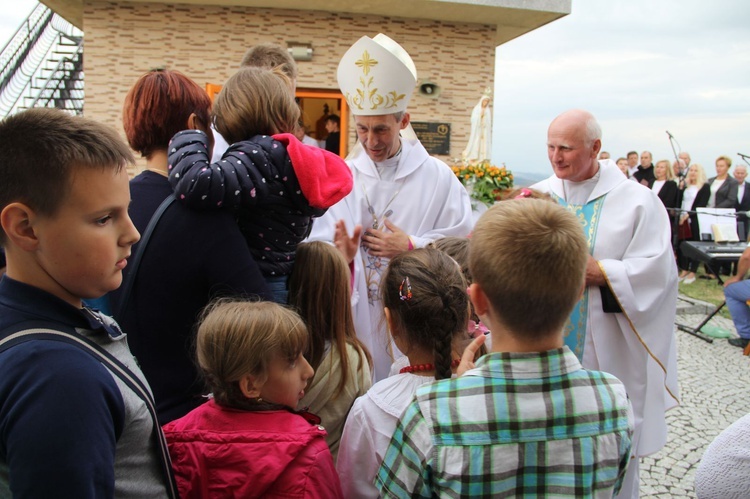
(222, 452)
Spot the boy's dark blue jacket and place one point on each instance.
(61, 411)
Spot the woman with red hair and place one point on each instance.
(191, 257)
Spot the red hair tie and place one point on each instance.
(525, 193)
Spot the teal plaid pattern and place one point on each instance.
(518, 425)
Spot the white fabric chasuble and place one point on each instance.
(423, 198)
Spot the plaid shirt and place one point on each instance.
(520, 425)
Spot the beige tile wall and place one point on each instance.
(123, 40)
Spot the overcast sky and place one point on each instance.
(14, 12)
(641, 66)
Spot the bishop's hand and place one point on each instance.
(386, 243)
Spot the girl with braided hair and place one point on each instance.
(426, 310)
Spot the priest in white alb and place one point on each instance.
(624, 322)
(402, 197)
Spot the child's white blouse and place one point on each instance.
(368, 431)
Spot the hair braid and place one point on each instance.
(442, 352)
(444, 340)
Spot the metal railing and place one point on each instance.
(62, 87)
(42, 65)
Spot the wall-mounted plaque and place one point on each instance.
(435, 137)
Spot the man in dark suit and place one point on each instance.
(645, 172)
(743, 201)
(333, 141)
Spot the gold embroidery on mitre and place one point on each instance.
(365, 62)
(371, 96)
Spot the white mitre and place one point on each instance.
(377, 76)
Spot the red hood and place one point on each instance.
(323, 176)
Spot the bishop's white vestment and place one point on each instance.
(423, 198)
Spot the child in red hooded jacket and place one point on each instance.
(277, 183)
(247, 440)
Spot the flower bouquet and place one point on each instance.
(483, 181)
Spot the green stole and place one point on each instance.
(588, 214)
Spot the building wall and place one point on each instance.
(123, 40)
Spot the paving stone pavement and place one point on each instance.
(714, 381)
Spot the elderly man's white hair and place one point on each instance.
(593, 130)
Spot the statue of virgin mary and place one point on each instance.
(479, 147)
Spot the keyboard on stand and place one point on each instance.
(711, 252)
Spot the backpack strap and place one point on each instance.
(135, 261)
(116, 367)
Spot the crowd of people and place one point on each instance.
(683, 187)
(289, 324)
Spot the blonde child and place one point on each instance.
(278, 183)
(426, 309)
(528, 420)
(247, 440)
(320, 290)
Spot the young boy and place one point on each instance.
(69, 427)
(528, 420)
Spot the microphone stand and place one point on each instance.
(675, 215)
(683, 173)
